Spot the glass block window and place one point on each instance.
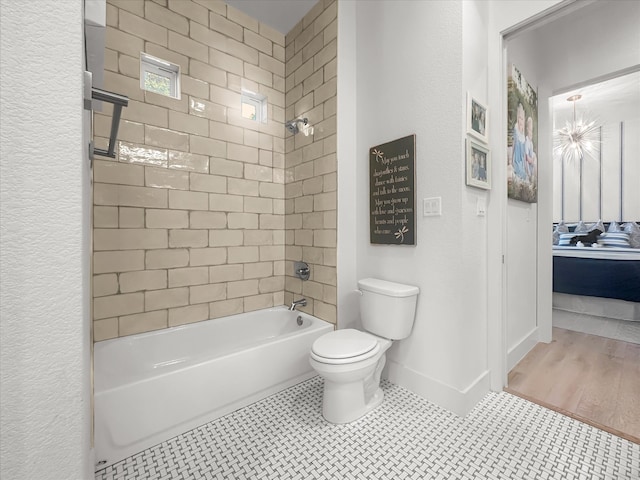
(159, 76)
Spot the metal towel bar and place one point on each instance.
(118, 102)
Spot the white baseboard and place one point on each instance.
(445, 396)
(520, 349)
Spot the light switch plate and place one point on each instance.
(432, 207)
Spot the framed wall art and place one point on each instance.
(477, 119)
(478, 165)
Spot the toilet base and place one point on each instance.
(346, 405)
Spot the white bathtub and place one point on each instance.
(154, 386)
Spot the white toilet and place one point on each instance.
(351, 361)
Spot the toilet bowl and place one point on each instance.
(351, 361)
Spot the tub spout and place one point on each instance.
(302, 302)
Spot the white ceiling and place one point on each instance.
(282, 15)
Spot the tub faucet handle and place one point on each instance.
(302, 303)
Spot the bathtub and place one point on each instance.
(154, 386)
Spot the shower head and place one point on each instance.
(293, 125)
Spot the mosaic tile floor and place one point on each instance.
(285, 437)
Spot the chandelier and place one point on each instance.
(577, 138)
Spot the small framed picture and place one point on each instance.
(477, 119)
(478, 165)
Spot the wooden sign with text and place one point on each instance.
(392, 192)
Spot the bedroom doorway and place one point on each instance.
(549, 355)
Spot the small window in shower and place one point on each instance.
(253, 106)
(159, 76)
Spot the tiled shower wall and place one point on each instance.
(189, 219)
(311, 182)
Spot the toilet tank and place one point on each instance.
(387, 309)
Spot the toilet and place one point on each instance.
(350, 361)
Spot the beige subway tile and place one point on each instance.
(293, 252)
(312, 186)
(269, 253)
(186, 46)
(257, 74)
(265, 158)
(207, 36)
(271, 284)
(195, 87)
(226, 168)
(166, 138)
(304, 204)
(238, 186)
(143, 280)
(207, 220)
(145, 113)
(243, 220)
(278, 237)
(271, 190)
(226, 238)
(207, 256)
(226, 308)
(243, 254)
(188, 161)
(272, 34)
(186, 200)
(324, 56)
(312, 289)
(330, 219)
(258, 205)
(116, 305)
(313, 220)
(225, 273)
(258, 42)
(271, 64)
(258, 237)
(242, 153)
(124, 85)
(169, 258)
(242, 19)
(313, 255)
(188, 123)
(144, 154)
(142, 322)
(325, 274)
(207, 146)
(330, 295)
(105, 329)
(172, 57)
(289, 236)
(129, 239)
(123, 42)
(278, 298)
(241, 51)
(173, 104)
(330, 258)
(243, 288)
(104, 285)
(226, 203)
(258, 270)
(206, 109)
(207, 73)
(220, 24)
(304, 237)
(208, 183)
(330, 146)
(112, 15)
(162, 16)
(324, 201)
(127, 132)
(258, 302)
(188, 238)
(271, 222)
(258, 172)
(228, 133)
(329, 182)
(142, 28)
(167, 218)
(207, 293)
(293, 285)
(166, 178)
(105, 217)
(131, 217)
(118, 261)
(226, 62)
(324, 238)
(168, 298)
(278, 268)
(326, 91)
(324, 311)
(303, 171)
(191, 314)
(191, 10)
(278, 206)
(114, 172)
(313, 47)
(182, 277)
(223, 96)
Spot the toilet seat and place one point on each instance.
(344, 346)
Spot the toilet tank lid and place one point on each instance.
(391, 289)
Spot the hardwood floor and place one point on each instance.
(593, 379)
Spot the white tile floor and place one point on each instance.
(285, 437)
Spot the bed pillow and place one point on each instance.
(614, 227)
(560, 228)
(581, 227)
(614, 239)
(564, 239)
(634, 234)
